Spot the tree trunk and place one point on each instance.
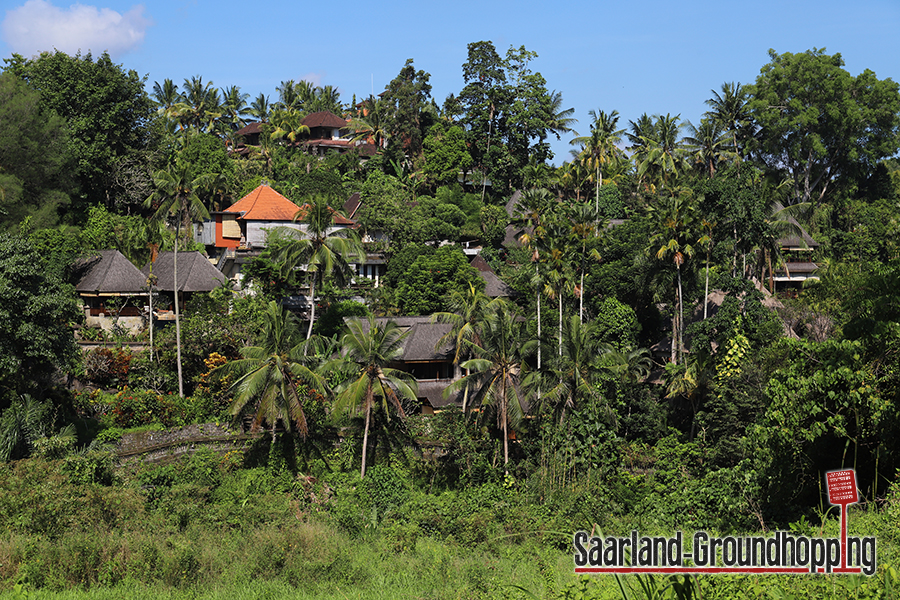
(505, 430)
(312, 310)
(362, 472)
(581, 297)
(706, 287)
(680, 318)
(177, 321)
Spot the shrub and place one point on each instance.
(107, 367)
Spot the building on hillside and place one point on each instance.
(112, 290)
(195, 274)
(796, 264)
(326, 131)
(433, 368)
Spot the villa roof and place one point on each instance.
(324, 119)
(250, 128)
(109, 272)
(264, 204)
(494, 286)
(195, 272)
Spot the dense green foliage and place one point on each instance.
(652, 368)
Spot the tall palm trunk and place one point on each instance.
(680, 318)
(503, 416)
(365, 448)
(312, 310)
(177, 320)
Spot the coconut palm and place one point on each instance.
(675, 218)
(323, 253)
(576, 372)
(467, 310)
(707, 145)
(730, 110)
(367, 348)
(529, 214)
(234, 108)
(497, 372)
(286, 124)
(561, 120)
(662, 157)
(267, 376)
(260, 108)
(600, 147)
(176, 196)
(166, 97)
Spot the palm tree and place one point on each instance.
(585, 226)
(289, 95)
(675, 218)
(321, 252)
(268, 374)
(730, 111)
(367, 348)
(286, 124)
(561, 120)
(200, 105)
(577, 369)
(234, 108)
(260, 108)
(707, 144)
(530, 208)
(662, 155)
(497, 371)
(467, 310)
(600, 147)
(166, 96)
(176, 196)
(369, 124)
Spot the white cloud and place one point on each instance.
(39, 26)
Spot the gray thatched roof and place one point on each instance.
(494, 286)
(423, 335)
(433, 392)
(195, 272)
(109, 272)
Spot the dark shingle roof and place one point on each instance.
(324, 119)
(195, 272)
(494, 286)
(109, 272)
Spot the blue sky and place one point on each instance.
(652, 56)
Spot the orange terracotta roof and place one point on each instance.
(264, 204)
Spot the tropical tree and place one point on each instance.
(234, 108)
(267, 376)
(166, 96)
(176, 196)
(321, 252)
(675, 218)
(530, 208)
(731, 112)
(600, 147)
(497, 372)
(260, 108)
(661, 157)
(577, 368)
(367, 348)
(584, 229)
(707, 145)
(466, 311)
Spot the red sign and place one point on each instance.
(842, 487)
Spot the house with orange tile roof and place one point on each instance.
(244, 224)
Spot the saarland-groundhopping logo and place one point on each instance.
(782, 553)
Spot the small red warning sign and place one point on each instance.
(842, 487)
